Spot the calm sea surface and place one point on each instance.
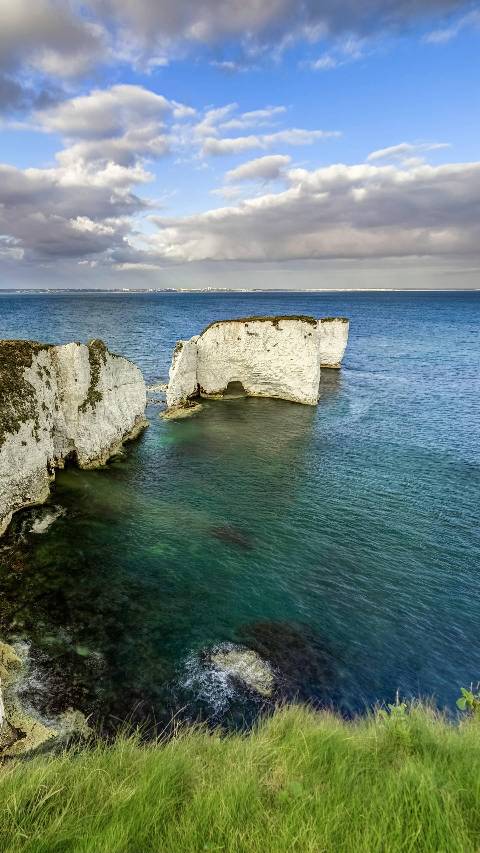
(342, 542)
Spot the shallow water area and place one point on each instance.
(338, 542)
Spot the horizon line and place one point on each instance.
(206, 290)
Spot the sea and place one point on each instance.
(340, 542)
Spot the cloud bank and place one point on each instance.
(340, 212)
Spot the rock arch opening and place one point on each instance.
(234, 390)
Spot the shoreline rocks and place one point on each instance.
(59, 403)
(21, 729)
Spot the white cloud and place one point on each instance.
(324, 63)
(446, 34)
(342, 52)
(230, 66)
(406, 152)
(227, 192)
(254, 118)
(57, 213)
(238, 144)
(115, 129)
(107, 112)
(48, 35)
(267, 168)
(208, 126)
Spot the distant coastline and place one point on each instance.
(125, 290)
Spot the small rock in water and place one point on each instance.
(160, 386)
(47, 518)
(187, 411)
(246, 666)
(225, 677)
(228, 533)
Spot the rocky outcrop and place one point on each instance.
(22, 729)
(333, 340)
(182, 378)
(260, 356)
(61, 402)
(268, 357)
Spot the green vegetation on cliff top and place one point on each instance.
(274, 320)
(301, 781)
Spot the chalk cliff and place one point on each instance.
(333, 340)
(268, 356)
(57, 402)
(182, 378)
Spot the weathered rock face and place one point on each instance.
(59, 402)
(333, 340)
(269, 357)
(265, 356)
(182, 378)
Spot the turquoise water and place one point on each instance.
(341, 542)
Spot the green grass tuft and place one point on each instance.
(301, 781)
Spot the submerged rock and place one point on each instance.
(247, 666)
(59, 403)
(227, 677)
(228, 533)
(46, 518)
(277, 357)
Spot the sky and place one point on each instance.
(239, 144)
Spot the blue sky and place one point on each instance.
(242, 145)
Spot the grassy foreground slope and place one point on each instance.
(301, 781)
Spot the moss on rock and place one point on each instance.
(97, 355)
(18, 403)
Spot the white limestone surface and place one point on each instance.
(270, 357)
(182, 378)
(333, 340)
(58, 402)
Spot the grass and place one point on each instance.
(301, 781)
